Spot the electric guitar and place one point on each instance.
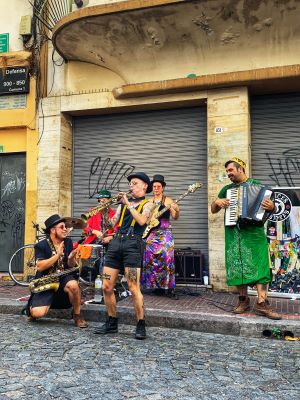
(154, 222)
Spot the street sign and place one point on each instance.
(4, 42)
(14, 80)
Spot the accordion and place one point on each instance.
(245, 205)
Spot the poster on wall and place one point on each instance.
(283, 233)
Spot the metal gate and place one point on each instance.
(275, 126)
(173, 143)
(12, 205)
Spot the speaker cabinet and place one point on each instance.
(188, 266)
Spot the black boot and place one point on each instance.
(140, 332)
(110, 326)
(172, 294)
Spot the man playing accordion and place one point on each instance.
(246, 247)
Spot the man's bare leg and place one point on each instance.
(243, 290)
(244, 302)
(133, 279)
(108, 286)
(263, 307)
(262, 292)
(73, 291)
(39, 312)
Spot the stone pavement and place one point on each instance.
(51, 359)
(203, 311)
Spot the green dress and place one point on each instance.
(246, 251)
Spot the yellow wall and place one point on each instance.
(18, 134)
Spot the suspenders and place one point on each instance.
(139, 209)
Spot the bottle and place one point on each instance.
(98, 289)
(205, 278)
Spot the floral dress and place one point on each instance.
(158, 263)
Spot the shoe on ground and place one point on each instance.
(79, 321)
(31, 319)
(158, 292)
(243, 305)
(110, 326)
(264, 309)
(140, 332)
(172, 294)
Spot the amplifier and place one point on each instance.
(188, 266)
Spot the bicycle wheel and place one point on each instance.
(21, 266)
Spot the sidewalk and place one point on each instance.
(203, 311)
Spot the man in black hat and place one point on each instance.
(54, 254)
(126, 252)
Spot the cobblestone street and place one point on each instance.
(52, 359)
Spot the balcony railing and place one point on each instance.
(49, 12)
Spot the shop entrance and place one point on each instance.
(12, 205)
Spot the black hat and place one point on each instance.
(103, 194)
(51, 221)
(159, 178)
(142, 176)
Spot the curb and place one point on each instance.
(200, 322)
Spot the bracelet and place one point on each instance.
(130, 207)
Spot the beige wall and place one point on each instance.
(10, 18)
(54, 162)
(90, 77)
(227, 110)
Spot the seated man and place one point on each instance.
(54, 254)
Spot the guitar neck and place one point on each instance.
(166, 208)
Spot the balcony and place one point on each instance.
(143, 40)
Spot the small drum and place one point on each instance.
(92, 256)
(90, 252)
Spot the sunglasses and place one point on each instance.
(62, 227)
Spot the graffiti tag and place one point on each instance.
(285, 169)
(107, 174)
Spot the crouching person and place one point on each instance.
(53, 255)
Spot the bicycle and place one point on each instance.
(21, 267)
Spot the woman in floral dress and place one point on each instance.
(158, 264)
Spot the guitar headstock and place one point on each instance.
(195, 186)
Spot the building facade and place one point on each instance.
(18, 134)
(171, 87)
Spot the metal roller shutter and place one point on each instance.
(168, 142)
(275, 126)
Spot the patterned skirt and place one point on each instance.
(158, 263)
